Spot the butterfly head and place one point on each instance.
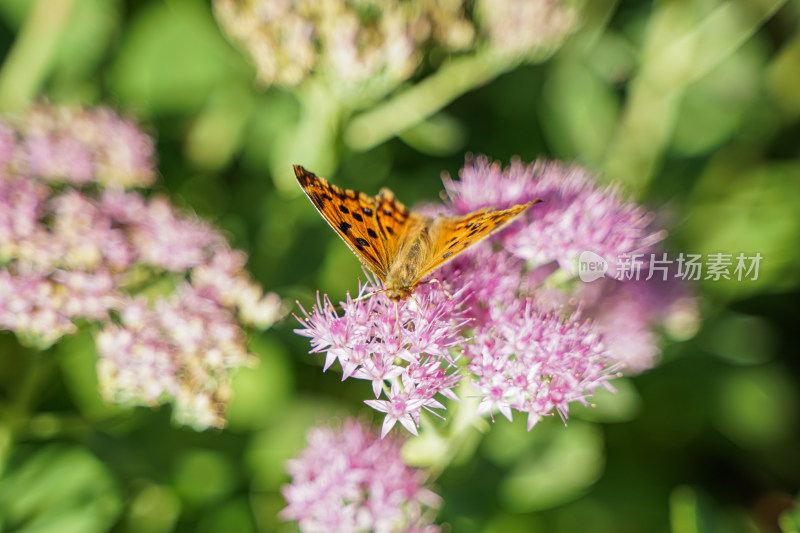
(400, 293)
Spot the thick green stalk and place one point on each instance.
(425, 98)
(28, 63)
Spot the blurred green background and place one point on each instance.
(692, 105)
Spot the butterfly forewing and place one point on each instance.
(453, 235)
(394, 220)
(352, 215)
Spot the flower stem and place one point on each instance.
(16, 414)
(33, 53)
(674, 57)
(313, 142)
(425, 98)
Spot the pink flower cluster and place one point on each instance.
(403, 350)
(166, 290)
(508, 315)
(575, 215)
(349, 480)
(536, 362)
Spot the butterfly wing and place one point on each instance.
(354, 216)
(394, 220)
(453, 235)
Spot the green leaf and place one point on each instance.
(83, 46)
(436, 135)
(757, 407)
(173, 58)
(269, 449)
(789, 520)
(77, 357)
(557, 465)
(261, 393)
(692, 511)
(606, 406)
(204, 476)
(742, 339)
(580, 112)
(153, 509)
(59, 489)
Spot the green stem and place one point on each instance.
(313, 142)
(673, 58)
(33, 53)
(425, 98)
(17, 413)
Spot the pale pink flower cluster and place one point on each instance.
(363, 41)
(575, 214)
(532, 336)
(404, 350)
(536, 362)
(348, 480)
(520, 27)
(78, 146)
(75, 246)
(383, 42)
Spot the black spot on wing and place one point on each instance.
(344, 227)
(367, 211)
(362, 242)
(358, 217)
(448, 254)
(371, 233)
(344, 210)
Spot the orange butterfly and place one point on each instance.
(400, 246)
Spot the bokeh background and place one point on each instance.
(692, 106)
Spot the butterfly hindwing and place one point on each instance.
(453, 235)
(353, 215)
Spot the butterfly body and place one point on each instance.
(399, 246)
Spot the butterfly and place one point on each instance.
(400, 246)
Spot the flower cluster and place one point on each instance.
(349, 480)
(508, 315)
(519, 27)
(404, 350)
(356, 41)
(575, 215)
(164, 287)
(536, 362)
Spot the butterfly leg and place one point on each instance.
(365, 296)
(445, 291)
(369, 295)
(397, 321)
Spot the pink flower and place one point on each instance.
(575, 215)
(517, 312)
(629, 313)
(536, 363)
(350, 480)
(80, 146)
(404, 348)
(68, 255)
(183, 346)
